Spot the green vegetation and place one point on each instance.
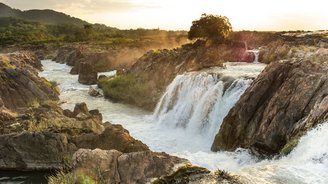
(19, 31)
(211, 27)
(76, 177)
(125, 88)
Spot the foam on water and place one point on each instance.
(189, 115)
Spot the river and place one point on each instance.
(189, 115)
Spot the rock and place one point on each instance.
(96, 114)
(248, 57)
(194, 175)
(87, 74)
(1, 103)
(101, 77)
(103, 163)
(20, 85)
(34, 151)
(275, 107)
(93, 92)
(74, 71)
(140, 166)
(81, 108)
(113, 137)
(81, 116)
(68, 113)
(115, 167)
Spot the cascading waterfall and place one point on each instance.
(198, 102)
(211, 95)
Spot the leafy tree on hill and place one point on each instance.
(210, 27)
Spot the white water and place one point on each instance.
(188, 117)
(256, 53)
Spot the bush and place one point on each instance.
(125, 88)
(211, 27)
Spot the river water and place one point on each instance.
(189, 115)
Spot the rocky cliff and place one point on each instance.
(287, 98)
(20, 86)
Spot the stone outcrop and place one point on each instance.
(34, 151)
(20, 86)
(87, 74)
(112, 166)
(286, 99)
(113, 137)
(94, 92)
(45, 138)
(194, 175)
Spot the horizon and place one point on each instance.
(132, 14)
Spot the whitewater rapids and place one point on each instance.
(188, 116)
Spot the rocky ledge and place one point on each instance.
(287, 98)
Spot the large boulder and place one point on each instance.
(112, 166)
(87, 74)
(287, 98)
(34, 151)
(113, 137)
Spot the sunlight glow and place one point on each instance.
(178, 14)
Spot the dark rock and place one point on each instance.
(1, 103)
(87, 74)
(93, 92)
(102, 76)
(74, 71)
(68, 113)
(285, 99)
(96, 114)
(81, 108)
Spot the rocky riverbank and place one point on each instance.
(41, 136)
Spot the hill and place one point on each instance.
(43, 16)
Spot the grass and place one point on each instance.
(70, 178)
(125, 88)
(33, 103)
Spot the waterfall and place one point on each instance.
(198, 102)
(256, 55)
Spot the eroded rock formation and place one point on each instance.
(20, 86)
(286, 99)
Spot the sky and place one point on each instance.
(261, 15)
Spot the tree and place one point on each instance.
(211, 27)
